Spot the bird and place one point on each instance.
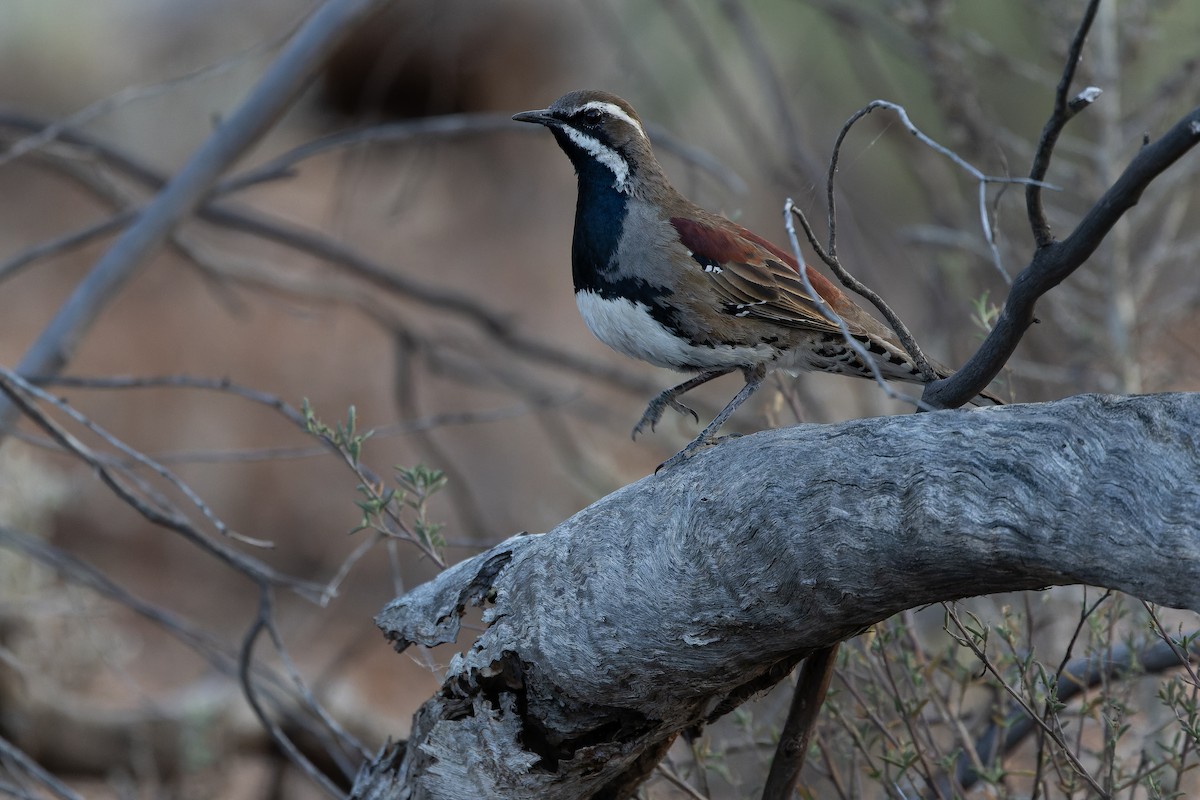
(663, 280)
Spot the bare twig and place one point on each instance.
(980, 177)
(425, 423)
(902, 332)
(162, 516)
(245, 661)
(10, 753)
(1184, 657)
(221, 656)
(1064, 110)
(65, 243)
(966, 638)
(340, 735)
(127, 95)
(1052, 263)
(15, 381)
(73, 570)
(828, 254)
(281, 83)
(679, 783)
(835, 318)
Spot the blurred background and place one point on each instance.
(452, 329)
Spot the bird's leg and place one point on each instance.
(654, 410)
(754, 379)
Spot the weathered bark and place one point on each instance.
(677, 597)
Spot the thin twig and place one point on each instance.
(1064, 110)
(163, 517)
(310, 702)
(245, 661)
(679, 783)
(834, 263)
(983, 179)
(131, 94)
(398, 429)
(135, 456)
(281, 83)
(966, 638)
(828, 254)
(65, 243)
(831, 315)
(1184, 657)
(370, 482)
(11, 753)
(73, 570)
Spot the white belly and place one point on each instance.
(627, 327)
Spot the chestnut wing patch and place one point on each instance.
(753, 278)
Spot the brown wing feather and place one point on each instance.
(754, 278)
(757, 279)
(767, 290)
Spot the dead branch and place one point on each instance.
(280, 85)
(671, 601)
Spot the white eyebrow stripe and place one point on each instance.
(602, 153)
(615, 110)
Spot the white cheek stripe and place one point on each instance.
(614, 110)
(605, 155)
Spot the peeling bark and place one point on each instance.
(667, 603)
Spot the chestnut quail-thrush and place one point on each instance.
(660, 279)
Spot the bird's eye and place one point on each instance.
(592, 115)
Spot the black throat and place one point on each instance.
(600, 213)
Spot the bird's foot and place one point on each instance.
(654, 412)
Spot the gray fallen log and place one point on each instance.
(671, 601)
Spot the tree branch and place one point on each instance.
(811, 688)
(283, 81)
(1063, 111)
(1052, 263)
(647, 612)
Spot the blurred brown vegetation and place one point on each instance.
(763, 87)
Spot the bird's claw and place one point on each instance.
(654, 412)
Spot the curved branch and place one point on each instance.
(1053, 262)
(646, 613)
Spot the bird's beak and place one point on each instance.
(541, 117)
